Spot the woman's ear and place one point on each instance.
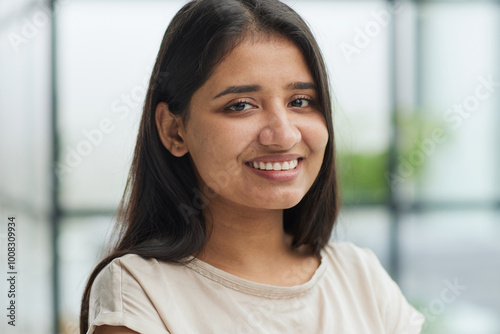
(170, 128)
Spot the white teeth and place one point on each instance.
(286, 165)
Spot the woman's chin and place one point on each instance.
(281, 202)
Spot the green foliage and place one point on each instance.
(362, 175)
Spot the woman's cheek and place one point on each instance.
(315, 134)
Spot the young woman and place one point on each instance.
(231, 199)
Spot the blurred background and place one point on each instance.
(417, 91)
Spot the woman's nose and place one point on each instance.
(279, 129)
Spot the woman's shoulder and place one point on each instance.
(130, 259)
(133, 267)
(347, 251)
(124, 294)
(358, 274)
(350, 260)
(113, 271)
(120, 271)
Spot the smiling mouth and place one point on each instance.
(276, 166)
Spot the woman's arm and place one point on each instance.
(113, 330)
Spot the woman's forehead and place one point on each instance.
(255, 62)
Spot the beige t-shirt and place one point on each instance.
(350, 292)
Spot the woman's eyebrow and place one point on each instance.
(238, 89)
(255, 88)
(301, 85)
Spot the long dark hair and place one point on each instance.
(160, 214)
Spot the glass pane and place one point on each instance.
(81, 244)
(451, 269)
(25, 165)
(25, 120)
(106, 57)
(365, 227)
(15, 9)
(459, 91)
(33, 265)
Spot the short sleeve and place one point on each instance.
(398, 316)
(118, 299)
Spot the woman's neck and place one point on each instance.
(253, 245)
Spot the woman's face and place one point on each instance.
(255, 134)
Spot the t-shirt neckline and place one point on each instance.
(253, 288)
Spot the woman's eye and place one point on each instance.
(302, 102)
(240, 106)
